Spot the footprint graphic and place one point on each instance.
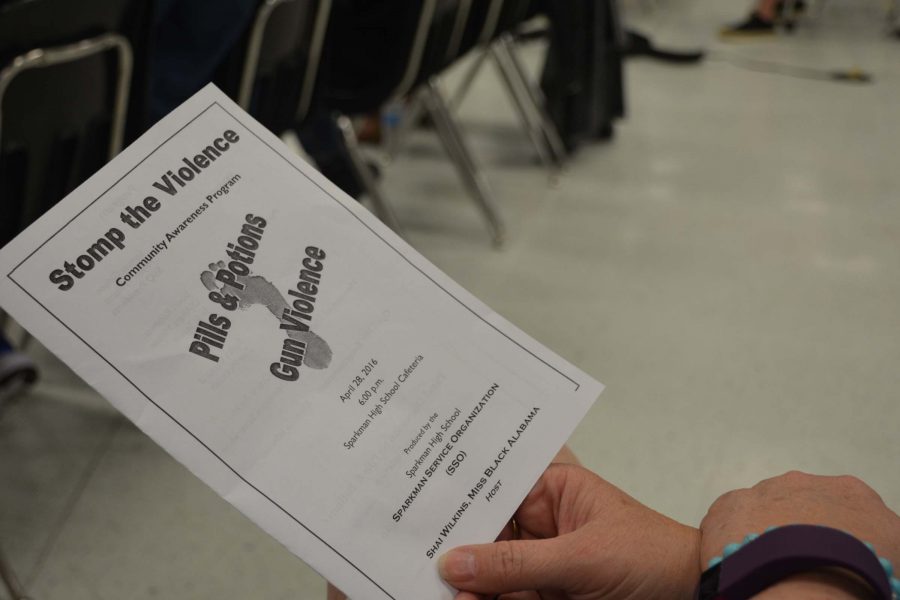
(260, 291)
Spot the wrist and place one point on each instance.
(686, 563)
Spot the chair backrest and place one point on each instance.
(455, 47)
(503, 15)
(29, 24)
(65, 75)
(25, 24)
(419, 46)
(373, 50)
(478, 16)
(273, 69)
(436, 42)
(455, 22)
(514, 13)
(491, 21)
(442, 40)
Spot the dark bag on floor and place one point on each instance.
(582, 79)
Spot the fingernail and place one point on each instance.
(457, 566)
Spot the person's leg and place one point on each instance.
(16, 370)
(768, 9)
(191, 38)
(334, 594)
(761, 21)
(5, 346)
(765, 15)
(323, 142)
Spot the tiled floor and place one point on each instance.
(729, 266)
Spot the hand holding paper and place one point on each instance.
(581, 537)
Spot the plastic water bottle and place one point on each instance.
(391, 119)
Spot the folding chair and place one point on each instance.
(498, 39)
(279, 62)
(65, 75)
(419, 40)
(66, 71)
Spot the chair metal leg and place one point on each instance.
(522, 102)
(462, 159)
(538, 101)
(10, 581)
(528, 99)
(460, 94)
(382, 208)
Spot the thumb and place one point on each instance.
(504, 567)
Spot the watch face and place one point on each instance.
(709, 584)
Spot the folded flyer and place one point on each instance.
(295, 354)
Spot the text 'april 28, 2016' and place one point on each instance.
(379, 393)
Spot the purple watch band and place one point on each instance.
(788, 551)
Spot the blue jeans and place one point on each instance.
(191, 39)
(5, 346)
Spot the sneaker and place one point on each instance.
(17, 371)
(752, 26)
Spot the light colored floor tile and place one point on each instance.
(50, 440)
(146, 528)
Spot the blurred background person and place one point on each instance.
(763, 19)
